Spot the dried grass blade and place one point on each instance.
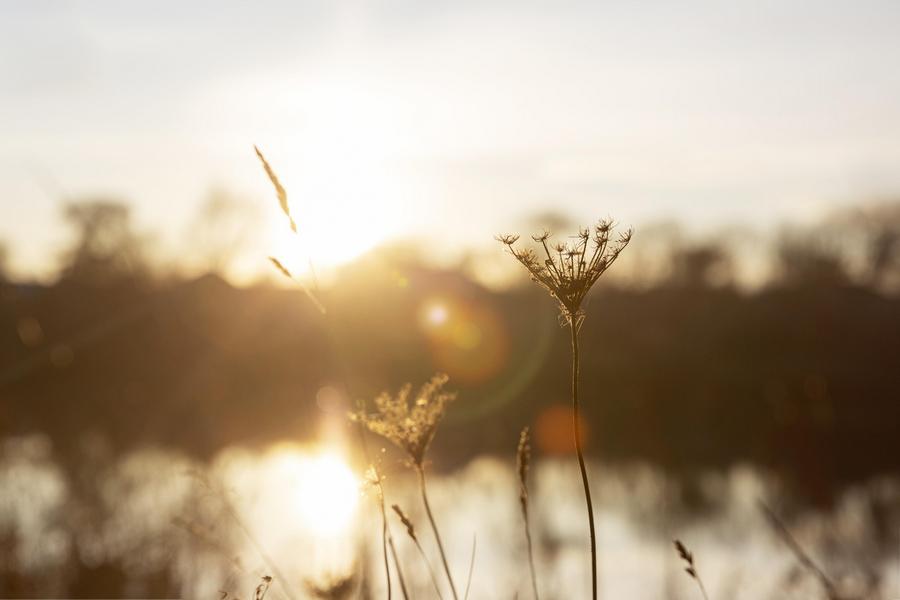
(284, 271)
(279, 189)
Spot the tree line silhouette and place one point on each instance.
(688, 370)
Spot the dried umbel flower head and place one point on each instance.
(571, 269)
(409, 423)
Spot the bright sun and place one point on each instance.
(341, 176)
(324, 491)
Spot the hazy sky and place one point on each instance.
(448, 120)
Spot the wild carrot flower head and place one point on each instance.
(570, 270)
(409, 423)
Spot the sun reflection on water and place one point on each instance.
(323, 490)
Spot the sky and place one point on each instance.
(446, 121)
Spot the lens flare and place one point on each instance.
(469, 342)
(553, 430)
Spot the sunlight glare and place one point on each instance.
(324, 491)
(340, 172)
(436, 314)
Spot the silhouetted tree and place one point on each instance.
(878, 230)
(105, 247)
(222, 227)
(4, 262)
(705, 265)
(809, 260)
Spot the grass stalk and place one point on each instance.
(437, 536)
(523, 459)
(471, 568)
(411, 531)
(384, 549)
(803, 559)
(400, 577)
(534, 586)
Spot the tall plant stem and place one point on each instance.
(437, 536)
(576, 430)
(434, 580)
(384, 549)
(397, 564)
(534, 586)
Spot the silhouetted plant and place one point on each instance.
(374, 480)
(411, 532)
(803, 559)
(412, 429)
(471, 567)
(281, 193)
(568, 274)
(691, 568)
(523, 460)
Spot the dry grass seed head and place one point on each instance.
(410, 529)
(523, 460)
(279, 189)
(687, 557)
(409, 424)
(691, 568)
(570, 270)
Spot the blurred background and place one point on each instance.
(173, 411)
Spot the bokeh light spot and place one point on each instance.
(468, 341)
(436, 314)
(553, 430)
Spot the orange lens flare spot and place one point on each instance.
(553, 430)
(468, 342)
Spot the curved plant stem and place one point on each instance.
(397, 564)
(437, 536)
(576, 430)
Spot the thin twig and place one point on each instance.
(400, 577)
(411, 531)
(384, 550)
(309, 294)
(471, 568)
(802, 557)
(257, 545)
(437, 536)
